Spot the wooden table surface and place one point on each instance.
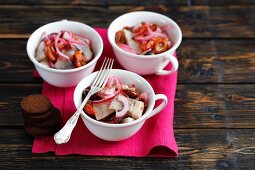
(214, 119)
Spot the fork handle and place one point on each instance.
(64, 134)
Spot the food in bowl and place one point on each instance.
(155, 64)
(65, 77)
(116, 103)
(64, 50)
(117, 132)
(144, 39)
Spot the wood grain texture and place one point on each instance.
(195, 21)
(199, 149)
(96, 3)
(183, 2)
(25, 19)
(216, 61)
(130, 2)
(201, 61)
(222, 3)
(59, 2)
(11, 96)
(15, 63)
(214, 106)
(196, 106)
(207, 22)
(215, 99)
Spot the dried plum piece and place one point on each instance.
(112, 119)
(93, 97)
(131, 93)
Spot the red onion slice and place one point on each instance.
(125, 109)
(127, 48)
(110, 84)
(106, 93)
(56, 46)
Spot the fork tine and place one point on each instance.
(108, 73)
(99, 73)
(104, 74)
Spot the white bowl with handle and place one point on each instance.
(146, 64)
(118, 132)
(70, 77)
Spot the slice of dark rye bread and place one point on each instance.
(40, 118)
(52, 121)
(38, 131)
(36, 104)
(36, 107)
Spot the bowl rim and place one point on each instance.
(142, 118)
(171, 50)
(92, 30)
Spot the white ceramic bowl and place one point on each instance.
(70, 77)
(117, 132)
(146, 64)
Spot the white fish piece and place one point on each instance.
(63, 63)
(125, 87)
(69, 53)
(40, 53)
(86, 51)
(66, 35)
(146, 52)
(74, 47)
(84, 39)
(45, 62)
(135, 107)
(127, 120)
(132, 43)
(116, 104)
(102, 110)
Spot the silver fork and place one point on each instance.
(98, 83)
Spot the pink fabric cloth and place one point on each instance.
(155, 138)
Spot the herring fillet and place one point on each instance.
(132, 43)
(102, 110)
(40, 54)
(86, 51)
(135, 107)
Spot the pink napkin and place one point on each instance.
(155, 138)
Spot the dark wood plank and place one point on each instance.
(216, 61)
(11, 95)
(184, 2)
(201, 61)
(96, 3)
(207, 22)
(196, 106)
(59, 2)
(22, 20)
(130, 2)
(195, 21)
(215, 106)
(150, 3)
(220, 2)
(199, 149)
(15, 64)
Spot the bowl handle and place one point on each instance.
(159, 107)
(175, 66)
